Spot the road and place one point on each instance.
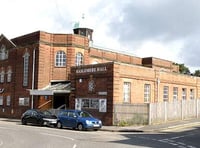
(13, 134)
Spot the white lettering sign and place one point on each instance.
(91, 70)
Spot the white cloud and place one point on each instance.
(166, 29)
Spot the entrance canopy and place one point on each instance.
(59, 88)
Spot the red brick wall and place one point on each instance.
(103, 83)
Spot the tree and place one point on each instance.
(183, 69)
(197, 73)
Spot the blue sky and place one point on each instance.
(167, 29)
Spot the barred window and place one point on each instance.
(165, 93)
(26, 68)
(60, 59)
(147, 93)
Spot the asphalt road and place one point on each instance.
(13, 134)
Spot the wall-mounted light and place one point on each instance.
(80, 80)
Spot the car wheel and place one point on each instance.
(80, 127)
(59, 124)
(23, 122)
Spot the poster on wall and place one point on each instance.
(78, 104)
(102, 105)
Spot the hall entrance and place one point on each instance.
(61, 101)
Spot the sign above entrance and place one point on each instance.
(91, 70)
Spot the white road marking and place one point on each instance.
(1, 143)
(74, 146)
(59, 136)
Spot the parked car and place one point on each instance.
(38, 117)
(77, 119)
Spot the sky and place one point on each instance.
(166, 29)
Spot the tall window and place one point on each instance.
(175, 93)
(9, 75)
(26, 65)
(60, 59)
(127, 92)
(2, 75)
(191, 93)
(8, 100)
(79, 59)
(1, 100)
(165, 93)
(147, 93)
(184, 94)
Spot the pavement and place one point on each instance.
(140, 128)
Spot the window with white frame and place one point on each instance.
(8, 100)
(1, 100)
(9, 75)
(24, 101)
(191, 93)
(184, 93)
(60, 59)
(90, 103)
(127, 92)
(79, 59)
(26, 68)
(2, 76)
(175, 93)
(165, 93)
(147, 93)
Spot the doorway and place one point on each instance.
(61, 101)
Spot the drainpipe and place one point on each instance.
(33, 77)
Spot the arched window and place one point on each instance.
(79, 59)
(60, 59)
(3, 53)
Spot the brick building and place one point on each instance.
(46, 70)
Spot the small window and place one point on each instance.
(127, 92)
(184, 94)
(147, 93)
(175, 93)
(79, 59)
(165, 93)
(60, 59)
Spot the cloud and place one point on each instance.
(166, 29)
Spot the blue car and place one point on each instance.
(77, 119)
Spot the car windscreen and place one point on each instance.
(84, 114)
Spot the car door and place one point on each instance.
(72, 119)
(63, 117)
(35, 117)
